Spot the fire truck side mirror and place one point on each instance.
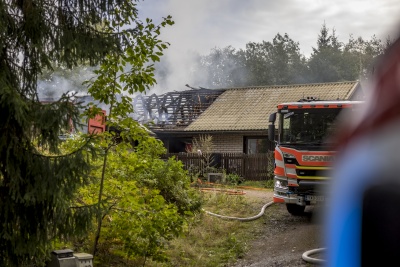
(271, 132)
(272, 118)
(271, 127)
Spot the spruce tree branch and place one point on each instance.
(124, 211)
(108, 210)
(83, 206)
(64, 155)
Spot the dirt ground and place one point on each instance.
(284, 238)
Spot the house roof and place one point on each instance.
(248, 108)
(173, 109)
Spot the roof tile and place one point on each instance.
(249, 108)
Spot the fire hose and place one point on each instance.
(242, 219)
(307, 258)
(306, 255)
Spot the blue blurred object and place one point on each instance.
(363, 213)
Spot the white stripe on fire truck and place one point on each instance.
(291, 171)
(280, 163)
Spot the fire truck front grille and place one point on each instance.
(306, 172)
(311, 173)
(310, 187)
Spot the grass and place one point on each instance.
(210, 241)
(259, 184)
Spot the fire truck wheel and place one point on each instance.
(295, 209)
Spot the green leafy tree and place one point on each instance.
(276, 62)
(280, 62)
(37, 183)
(361, 54)
(257, 63)
(288, 66)
(224, 68)
(145, 200)
(120, 75)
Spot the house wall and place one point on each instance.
(228, 143)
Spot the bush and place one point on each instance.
(173, 182)
(234, 179)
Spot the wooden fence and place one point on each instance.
(253, 167)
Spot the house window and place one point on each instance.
(188, 147)
(256, 145)
(179, 144)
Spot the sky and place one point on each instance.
(201, 25)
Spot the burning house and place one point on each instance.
(237, 118)
(167, 115)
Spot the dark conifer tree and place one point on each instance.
(37, 183)
(325, 60)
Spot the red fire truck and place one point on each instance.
(303, 154)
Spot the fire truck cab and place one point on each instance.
(303, 154)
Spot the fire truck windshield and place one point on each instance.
(306, 126)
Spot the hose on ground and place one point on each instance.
(307, 258)
(242, 219)
(306, 255)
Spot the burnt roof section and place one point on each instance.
(173, 109)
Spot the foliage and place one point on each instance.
(225, 67)
(326, 58)
(255, 65)
(124, 70)
(204, 146)
(258, 66)
(145, 200)
(271, 165)
(141, 200)
(361, 54)
(280, 61)
(269, 183)
(173, 183)
(234, 179)
(334, 61)
(37, 183)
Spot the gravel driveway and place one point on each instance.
(284, 238)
